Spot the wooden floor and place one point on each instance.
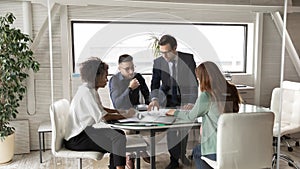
(31, 161)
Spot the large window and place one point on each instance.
(225, 44)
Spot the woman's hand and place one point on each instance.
(170, 112)
(122, 112)
(129, 113)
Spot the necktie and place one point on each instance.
(174, 84)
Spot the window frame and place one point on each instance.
(244, 25)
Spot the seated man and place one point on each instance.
(125, 87)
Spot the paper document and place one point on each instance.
(157, 116)
(160, 112)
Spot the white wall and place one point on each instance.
(271, 45)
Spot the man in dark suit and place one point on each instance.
(174, 85)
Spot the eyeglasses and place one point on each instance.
(165, 52)
(127, 69)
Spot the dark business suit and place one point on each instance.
(187, 93)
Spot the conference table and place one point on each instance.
(180, 124)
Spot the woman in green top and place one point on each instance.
(217, 96)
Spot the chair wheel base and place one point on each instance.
(290, 149)
(285, 158)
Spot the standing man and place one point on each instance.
(173, 85)
(125, 86)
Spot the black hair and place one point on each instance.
(125, 58)
(91, 68)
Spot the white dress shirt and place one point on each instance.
(171, 70)
(85, 110)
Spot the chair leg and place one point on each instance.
(40, 145)
(43, 134)
(285, 158)
(290, 162)
(284, 138)
(282, 156)
(274, 160)
(80, 163)
(138, 160)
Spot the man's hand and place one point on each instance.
(134, 83)
(154, 103)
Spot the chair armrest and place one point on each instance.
(210, 162)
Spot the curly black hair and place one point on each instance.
(92, 68)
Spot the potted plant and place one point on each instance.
(16, 59)
(154, 44)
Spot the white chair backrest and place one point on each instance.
(290, 102)
(59, 111)
(275, 99)
(291, 85)
(245, 140)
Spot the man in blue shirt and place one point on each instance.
(125, 86)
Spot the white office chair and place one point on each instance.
(290, 116)
(244, 140)
(58, 115)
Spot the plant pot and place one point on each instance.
(7, 148)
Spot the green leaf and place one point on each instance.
(16, 58)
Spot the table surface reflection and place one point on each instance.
(153, 127)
